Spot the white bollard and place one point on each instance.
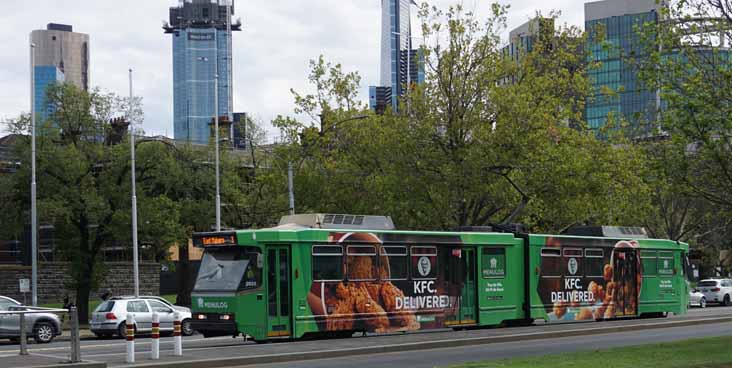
(178, 340)
(130, 322)
(155, 336)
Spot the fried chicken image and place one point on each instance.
(374, 291)
(377, 319)
(584, 314)
(360, 268)
(341, 318)
(389, 295)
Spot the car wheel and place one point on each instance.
(727, 301)
(122, 330)
(185, 328)
(703, 303)
(43, 332)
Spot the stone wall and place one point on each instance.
(53, 277)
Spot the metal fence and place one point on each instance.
(74, 324)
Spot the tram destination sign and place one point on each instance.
(205, 240)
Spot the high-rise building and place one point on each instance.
(60, 55)
(401, 64)
(201, 51)
(616, 86)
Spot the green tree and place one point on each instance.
(84, 185)
(468, 147)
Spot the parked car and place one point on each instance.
(110, 316)
(43, 327)
(697, 299)
(160, 299)
(716, 291)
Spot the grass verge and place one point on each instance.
(697, 353)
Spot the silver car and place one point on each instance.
(110, 317)
(697, 299)
(43, 327)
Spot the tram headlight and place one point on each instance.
(225, 317)
(200, 316)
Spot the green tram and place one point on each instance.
(333, 275)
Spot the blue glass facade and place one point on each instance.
(198, 56)
(45, 75)
(617, 89)
(400, 62)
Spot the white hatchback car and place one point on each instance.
(716, 291)
(109, 318)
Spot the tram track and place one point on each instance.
(222, 352)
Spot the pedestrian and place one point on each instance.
(106, 295)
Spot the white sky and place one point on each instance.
(271, 53)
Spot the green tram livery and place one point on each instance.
(338, 274)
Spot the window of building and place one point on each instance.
(395, 261)
(327, 263)
(493, 261)
(204, 12)
(424, 263)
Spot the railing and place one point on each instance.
(74, 320)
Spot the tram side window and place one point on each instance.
(494, 262)
(648, 258)
(551, 262)
(594, 263)
(361, 263)
(394, 263)
(666, 264)
(327, 263)
(573, 260)
(253, 276)
(424, 263)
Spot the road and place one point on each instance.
(196, 347)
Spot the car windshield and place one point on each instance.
(707, 283)
(222, 270)
(105, 307)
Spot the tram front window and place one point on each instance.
(230, 269)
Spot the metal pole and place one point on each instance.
(216, 127)
(135, 261)
(34, 214)
(291, 187)
(23, 336)
(75, 340)
(229, 66)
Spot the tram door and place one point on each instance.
(461, 285)
(278, 291)
(625, 276)
(468, 304)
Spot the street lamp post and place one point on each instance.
(34, 214)
(216, 127)
(135, 261)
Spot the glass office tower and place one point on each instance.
(400, 62)
(616, 87)
(201, 51)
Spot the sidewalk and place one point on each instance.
(44, 361)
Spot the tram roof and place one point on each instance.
(295, 233)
